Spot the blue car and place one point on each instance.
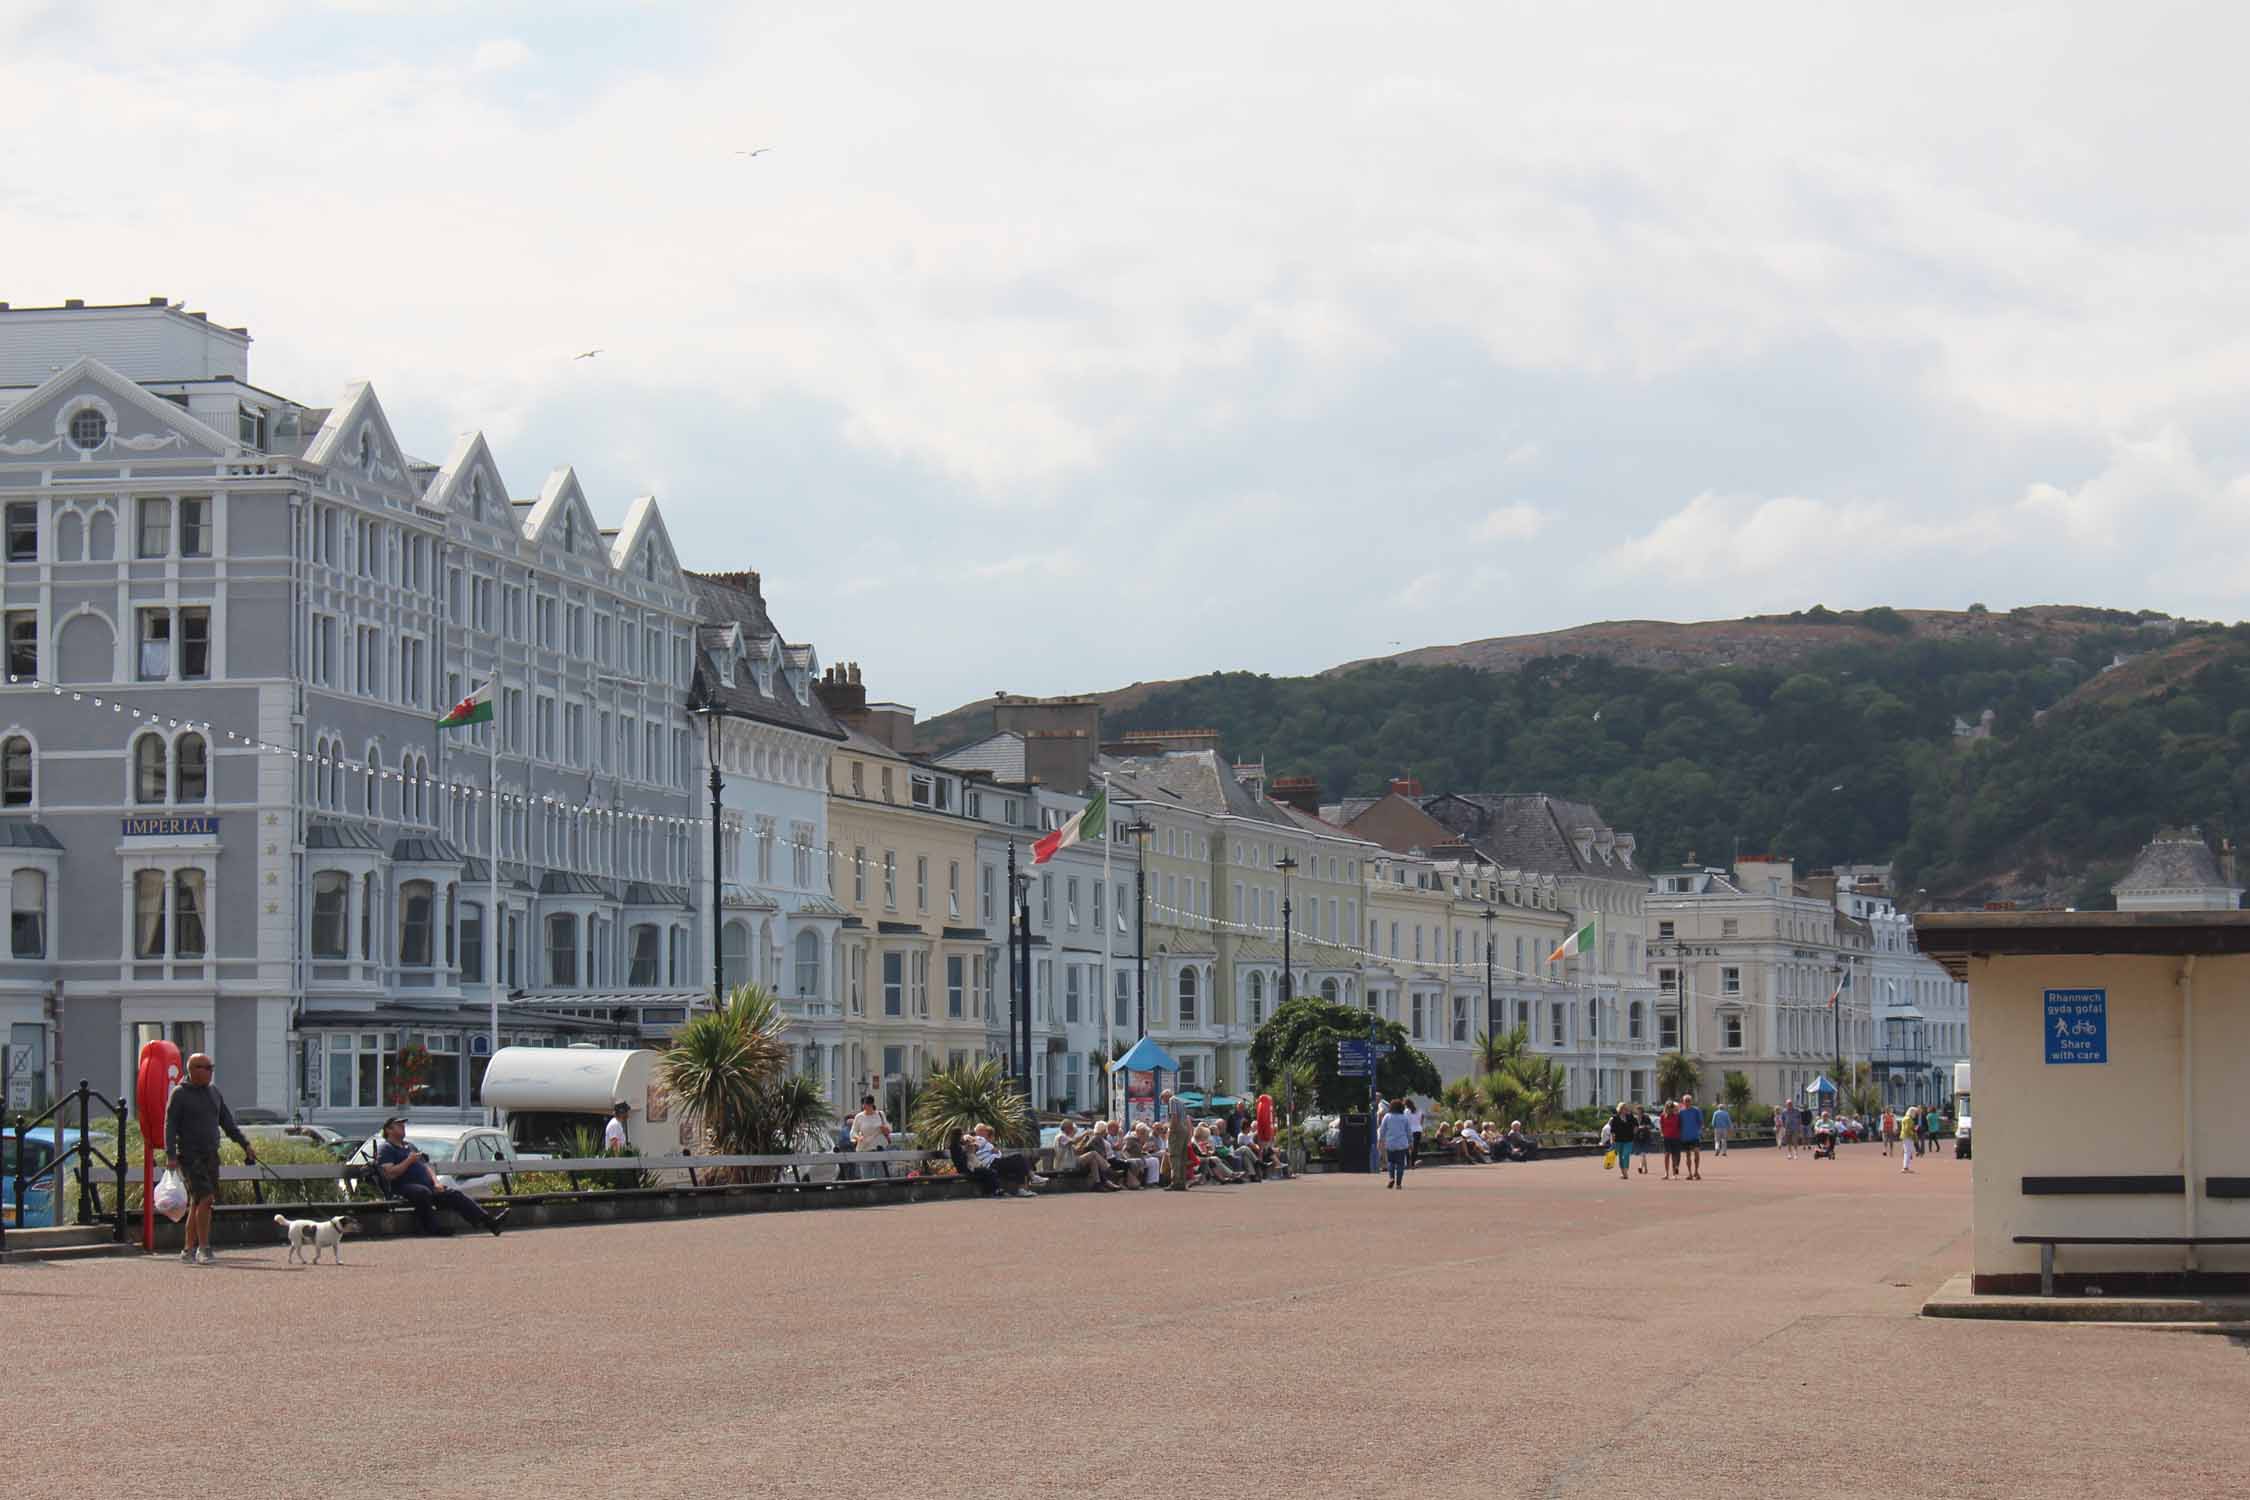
(40, 1198)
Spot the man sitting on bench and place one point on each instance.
(1517, 1146)
(406, 1174)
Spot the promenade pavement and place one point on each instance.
(1541, 1330)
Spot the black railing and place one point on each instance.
(81, 1154)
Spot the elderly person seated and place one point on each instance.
(1469, 1144)
(1516, 1145)
(1142, 1152)
(1241, 1156)
(1007, 1166)
(1075, 1152)
(1204, 1162)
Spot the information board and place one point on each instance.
(2077, 1025)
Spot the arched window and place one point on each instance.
(194, 759)
(330, 890)
(27, 928)
(15, 772)
(416, 899)
(734, 955)
(371, 798)
(1328, 990)
(1187, 996)
(150, 778)
(647, 960)
(335, 773)
(808, 964)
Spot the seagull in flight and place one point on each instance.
(762, 150)
(589, 354)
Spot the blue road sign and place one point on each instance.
(2077, 1026)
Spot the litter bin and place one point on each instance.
(1351, 1143)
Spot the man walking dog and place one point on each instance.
(192, 1123)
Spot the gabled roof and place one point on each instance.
(1200, 779)
(453, 487)
(37, 423)
(644, 527)
(999, 755)
(562, 495)
(337, 444)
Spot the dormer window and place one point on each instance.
(726, 670)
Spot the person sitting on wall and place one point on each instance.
(1076, 1153)
(1469, 1145)
(959, 1151)
(1011, 1166)
(1516, 1145)
(406, 1173)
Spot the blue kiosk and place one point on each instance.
(1138, 1080)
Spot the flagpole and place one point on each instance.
(491, 935)
(1109, 926)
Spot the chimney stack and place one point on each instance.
(1405, 786)
(1300, 792)
(841, 693)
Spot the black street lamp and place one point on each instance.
(1287, 865)
(1491, 1001)
(1139, 830)
(712, 721)
(1019, 901)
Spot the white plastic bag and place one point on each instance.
(171, 1196)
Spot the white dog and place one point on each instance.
(319, 1234)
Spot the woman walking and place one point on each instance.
(1398, 1142)
(1621, 1139)
(1668, 1126)
(1906, 1137)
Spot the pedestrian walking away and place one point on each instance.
(1722, 1126)
(1644, 1137)
(1621, 1138)
(1668, 1129)
(193, 1122)
(1398, 1142)
(1413, 1113)
(1691, 1136)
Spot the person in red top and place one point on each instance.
(1669, 1127)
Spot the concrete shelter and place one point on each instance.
(2111, 1053)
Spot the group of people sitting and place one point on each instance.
(1468, 1141)
(1115, 1160)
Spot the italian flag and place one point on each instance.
(1837, 993)
(1577, 943)
(1092, 823)
(474, 709)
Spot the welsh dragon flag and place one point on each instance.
(1091, 823)
(1578, 942)
(474, 709)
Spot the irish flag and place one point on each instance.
(474, 709)
(1577, 943)
(1092, 823)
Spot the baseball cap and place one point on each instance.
(394, 1120)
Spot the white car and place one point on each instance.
(469, 1157)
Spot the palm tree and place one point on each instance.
(1493, 1052)
(1535, 1090)
(956, 1100)
(1676, 1074)
(1462, 1099)
(728, 1072)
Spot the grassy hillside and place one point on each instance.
(1845, 751)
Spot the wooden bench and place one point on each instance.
(2048, 1242)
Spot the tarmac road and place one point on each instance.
(1540, 1330)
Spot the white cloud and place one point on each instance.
(1512, 523)
(498, 55)
(999, 297)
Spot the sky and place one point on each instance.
(1048, 350)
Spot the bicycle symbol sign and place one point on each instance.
(2077, 1026)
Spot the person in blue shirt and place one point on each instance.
(1722, 1124)
(406, 1173)
(1691, 1136)
(1397, 1133)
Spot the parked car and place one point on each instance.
(311, 1135)
(40, 1198)
(473, 1158)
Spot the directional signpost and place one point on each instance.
(1358, 1058)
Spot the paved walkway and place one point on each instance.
(1508, 1331)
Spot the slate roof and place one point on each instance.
(720, 605)
(323, 833)
(2175, 858)
(1200, 779)
(1001, 755)
(22, 833)
(1529, 831)
(424, 849)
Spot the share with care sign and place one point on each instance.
(2078, 1026)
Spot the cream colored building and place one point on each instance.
(912, 960)
(1745, 963)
